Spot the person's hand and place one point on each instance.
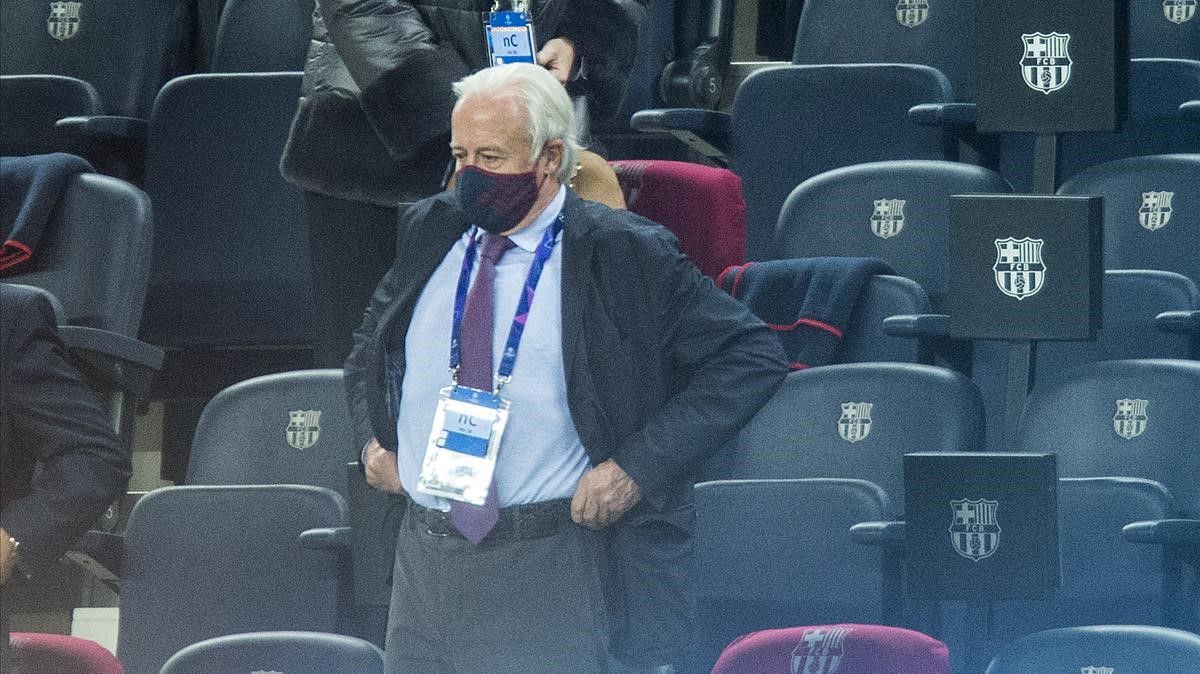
(604, 494)
(8, 560)
(558, 56)
(381, 470)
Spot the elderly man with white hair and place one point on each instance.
(542, 376)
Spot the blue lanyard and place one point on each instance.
(509, 360)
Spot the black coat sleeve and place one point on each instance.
(52, 417)
(605, 35)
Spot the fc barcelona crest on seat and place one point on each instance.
(820, 650)
(855, 422)
(1155, 212)
(304, 428)
(1019, 269)
(63, 23)
(1046, 65)
(912, 13)
(888, 218)
(1131, 419)
(975, 532)
(1178, 11)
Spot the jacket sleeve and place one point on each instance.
(362, 372)
(403, 73)
(605, 35)
(82, 466)
(732, 361)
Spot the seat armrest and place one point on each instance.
(879, 534)
(706, 131)
(917, 326)
(1190, 111)
(960, 116)
(1182, 532)
(106, 128)
(124, 363)
(328, 538)
(1178, 322)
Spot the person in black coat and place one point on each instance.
(61, 465)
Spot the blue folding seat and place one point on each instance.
(31, 104)
(1164, 29)
(1151, 211)
(936, 33)
(291, 652)
(262, 36)
(898, 211)
(1102, 649)
(790, 123)
(777, 553)
(202, 562)
(884, 296)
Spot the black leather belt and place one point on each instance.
(519, 522)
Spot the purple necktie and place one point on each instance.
(475, 371)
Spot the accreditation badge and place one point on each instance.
(509, 38)
(460, 456)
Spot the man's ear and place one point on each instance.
(553, 154)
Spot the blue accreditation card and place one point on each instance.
(510, 38)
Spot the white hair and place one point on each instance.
(549, 113)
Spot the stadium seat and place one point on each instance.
(1151, 211)
(202, 562)
(1167, 29)
(38, 653)
(777, 553)
(701, 205)
(845, 648)
(935, 34)
(898, 211)
(1102, 649)
(262, 36)
(31, 104)
(793, 122)
(865, 341)
(290, 652)
(857, 421)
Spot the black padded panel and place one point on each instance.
(31, 104)
(262, 36)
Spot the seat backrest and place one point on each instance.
(898, 211)
(202, 562)
(791, 123)
(291, 652)
(1164, 29)
(287, 428)
(1132, 418)
(846, 648)
(34, 652)
(776, 553)
(126, 50)
(857, 421)
(1151, 211)
(231, 260)
(884, 296)
(1101, 648)
(937, 33)
(31, 104)
(262, 36)
(701, 205)
(94, 256)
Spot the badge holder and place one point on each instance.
(509, 35)
(460, 456)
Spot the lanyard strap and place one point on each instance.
(509, 359)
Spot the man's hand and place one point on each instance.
(381, 470)
(604, 494)
(558, 56)
(8, 560)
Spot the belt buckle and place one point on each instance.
(441, 518)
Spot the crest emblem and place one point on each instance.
(1019, 270)
(304, 428)
(1155, 212)
(1178, 11)
(888, 218)
(855, 422)
(975, 533)
(1130, 420)
(912, 13)
(63, 22)
(1046, 65)
(1096, 670)
(820, 650)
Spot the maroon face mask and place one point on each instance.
(495, 202)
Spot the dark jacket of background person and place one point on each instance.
(374, 113)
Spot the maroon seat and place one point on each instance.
(701, 205)
(845, 648)
(36, 653)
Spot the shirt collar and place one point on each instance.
(528, 239)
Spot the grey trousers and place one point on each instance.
(514, 605)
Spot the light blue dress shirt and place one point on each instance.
(541, 457)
